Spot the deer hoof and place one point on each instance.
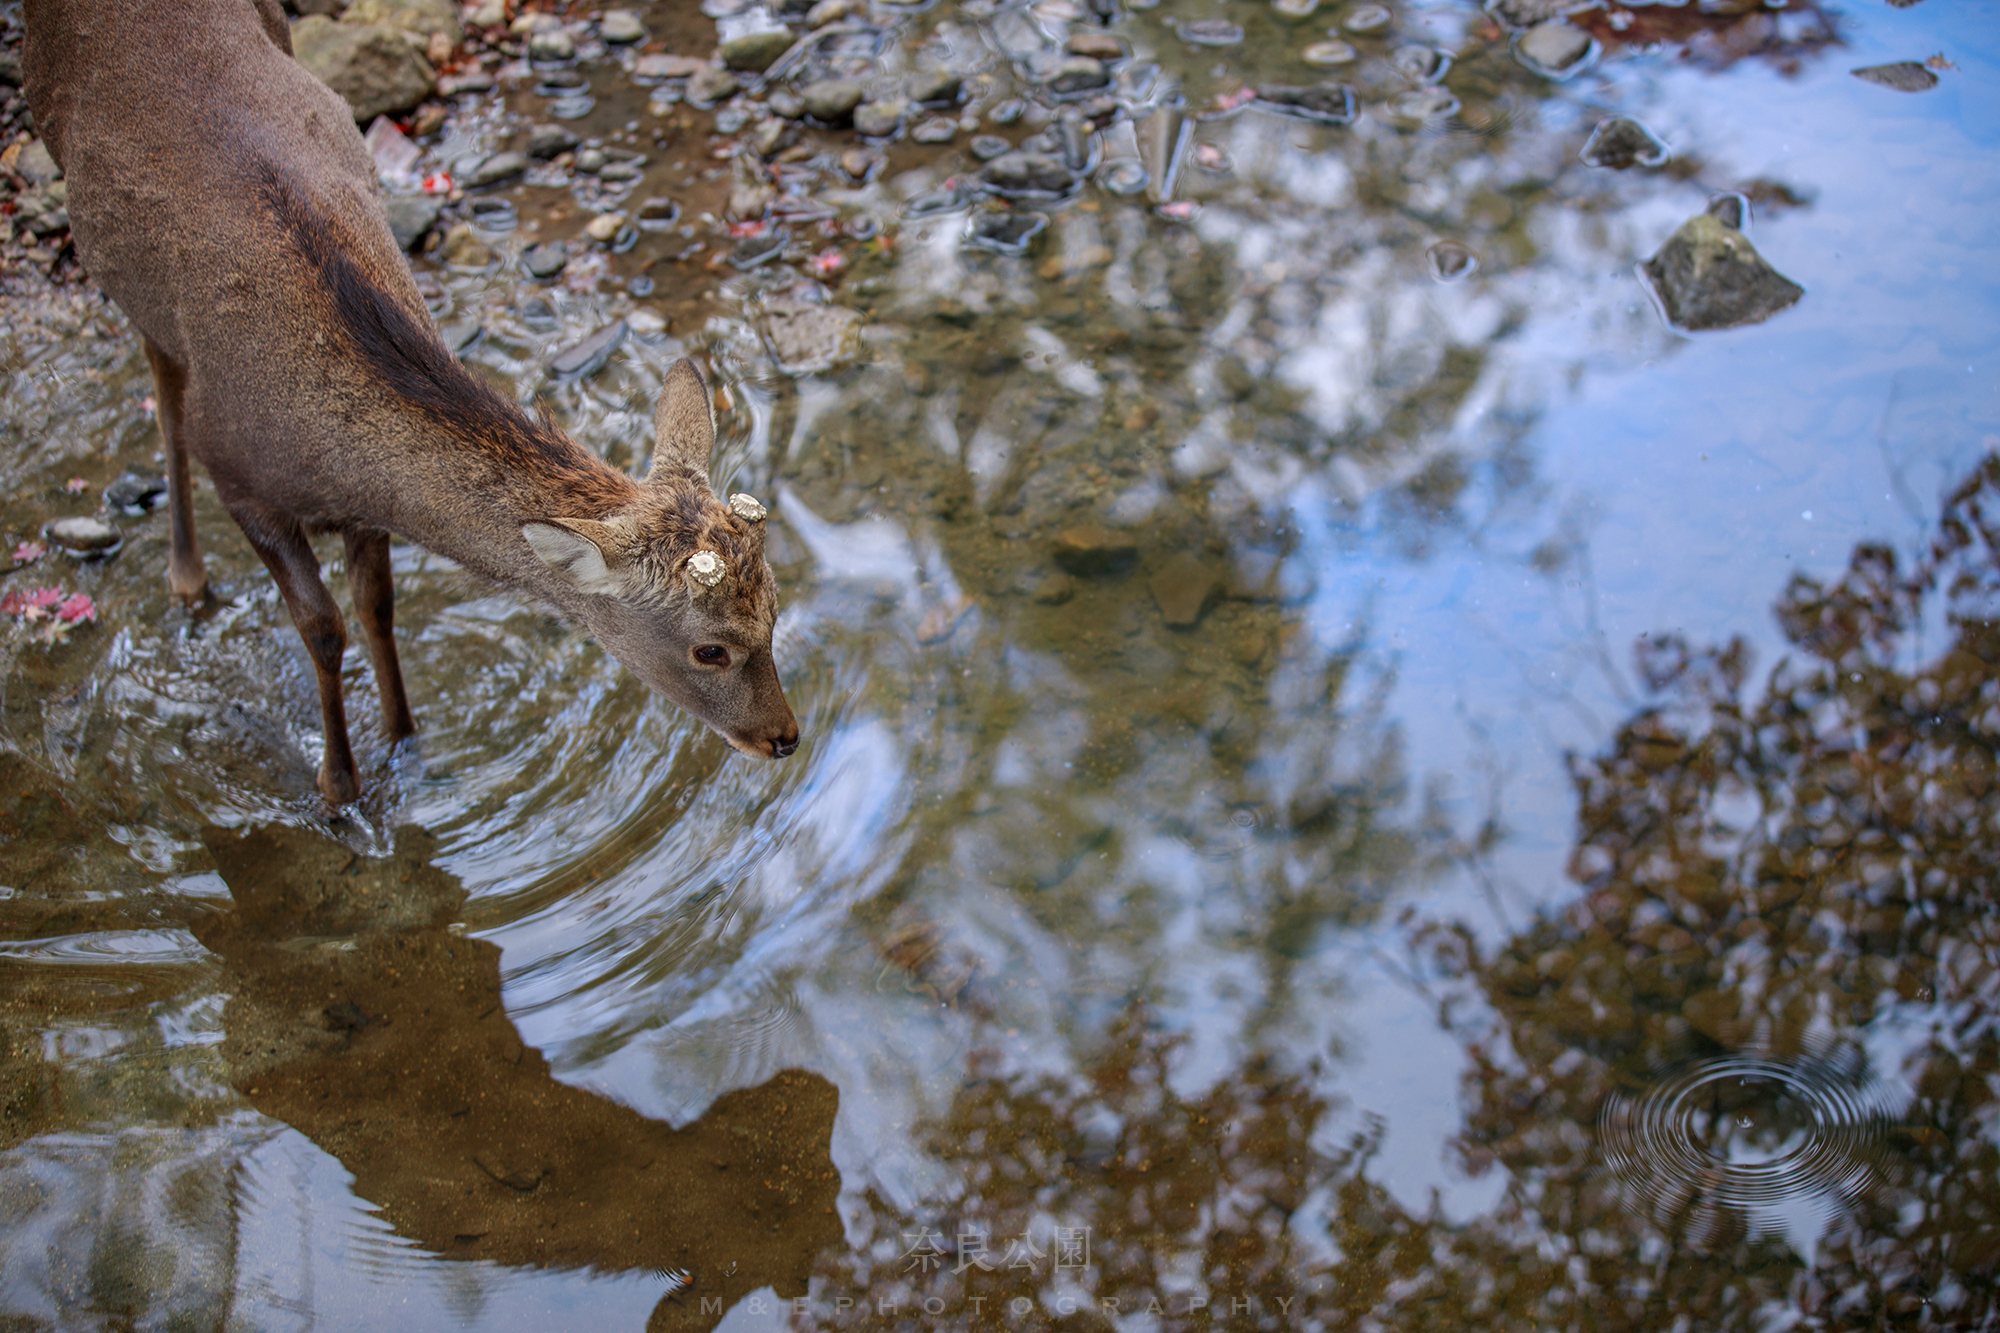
(340, 788)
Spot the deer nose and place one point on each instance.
(783, 746)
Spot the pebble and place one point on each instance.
(1183, 588)
(709, 85)
(1424, 104)
(604, 227)
(547, 141)
(1555, 49)
(552, 45)
(586, 358)
(1335, 52)
(1123, 176)
(784, 102)
(666, 67)
(831, 11)
(657, 214)
(858, 163)
(1078, 74)
(36, 164)
(1097, 45)
(1905, 76)
(494, 169)
(1055, 588)
(1007, 112)
(134, 493)
(1369, 18)
(772, 134)
(937, 129)
(1732, 210)
(755, 52)
(750, 201)
(468, 81)
(621, 27)
(1294, 9)
(806, 339)
(937, 87)
(986, 147)
(1619, 143)
(545, 260)
(590, 161)
(1021, 172)
(1210, 32)
(84, 536)
(1709, 276)
(879, 119)
(832, 101)
(1091, 549)
(462, 249)
(1006, 233)
(1323, 103)
(1450, 261)
(621, 173)
(410, 216)
(1420, 64)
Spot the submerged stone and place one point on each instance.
(1905, 76)
(1369, 18)
(1708, 276)
(1006, 233)
(1619, 143)
(1420, 64)
(1335, 52)
(545, 260)
(1078, 74)
(1451, 261)
(1210, 32)
(1555, 49)
(807, 338)
(832, 100)
(1183, 588)
(1091, 549)
(135, 493)
(1732, 210)
(755, 52)
(410, 216)
(589, 356)
(1324, 103)
(1022, 172)
(83, 536)
(876, 120)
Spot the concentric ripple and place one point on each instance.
(1747, 1130)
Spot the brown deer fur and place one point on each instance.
(220, 194)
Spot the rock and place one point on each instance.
(135, 493)
(1078, 74)
(620, 172)
(463, 249)
(1091, 549)
(859, 163)
(1335, 52)
(590, 161)
(410, 216)
(35, 164)
(1905, 76)
(832, 11)
(1055, 588)
(1096, 44)
(755, 52)
(1619, 143)
(1527, 13)
(749, 202)
(1732, 210)
(806, 338)
(1021, 172)
(1007, 233)
(986, 147)
(657, 214)
(1420, 64)
(545, 260)
(426, 18)
(936, 87)
(752, 251)
(937, 129)
(1708, 276)
(771, 136)
(1183, 588)
(469, 81)
(832, 100)
(604, 227)
(1322, 103)
(1210, 32)
(666, 67)
(10, 69)
(1294, 10)
(1368, 18)
(551, 45)
(83, 536)
(1451, 261)
(547, 141)
(621, 27)
(876, 120)
(371, 66)
(589, 356)
(1555, 49)
(709, 85)
(496, 168)
(784, 102)
(486, 13)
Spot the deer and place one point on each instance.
(223, 198)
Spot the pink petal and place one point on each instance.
(76, 608)
(28, 552)
(45, 596)
(76, 485)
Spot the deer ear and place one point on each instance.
(583, 551)
(683, 423)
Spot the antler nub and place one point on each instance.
(746, 508)
(706, 568)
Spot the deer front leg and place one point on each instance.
(282, 545)
(187, 578)
(373, 588)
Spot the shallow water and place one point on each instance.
(1548, 883)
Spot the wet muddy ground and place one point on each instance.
(1393, 612)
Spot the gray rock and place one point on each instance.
(1451, 261)
(373, 68)
(590, 161)
(750, 201)
(986, 147)
(772, 135)
(1708, 276)
(617, 172)
(1055, 588)
(589, 356)
(1022, 172)
(423, 17)
(1732, 210)
(1091, 549)
(936, 87)
(410, 216)
(1322, 103)
(551, 44)
(10, 69)
(755, 52)
(666, 67)
(1078, 74)
(1008, 233)
(134, 493)
(710, 85)
(35, 164)
(462, 249)
(545, 260)
(784, 102)
(468, 81)
(1619, 143)
(806, 339)
(1905, 76)
(621, 27)
(832, 100)
(937, 129)
(1096, 44)
(547, 141)
(1527, 13)
(879, 119)
(83, 536)
(1555, 49)
(496, 168)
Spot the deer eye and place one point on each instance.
(712, 654)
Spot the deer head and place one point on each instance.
(674, 583)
